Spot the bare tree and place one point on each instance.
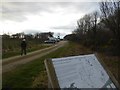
(87, 22)
(94, 21)
(111, 16)
(80, 24)
(84, 24)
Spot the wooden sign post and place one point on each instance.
(78, 72)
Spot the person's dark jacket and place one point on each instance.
(23, 44)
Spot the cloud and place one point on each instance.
(32, 17)
(64, 27)
(17, 11)
(31, 31)
(52, 1)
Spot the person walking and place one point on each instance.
(23, 47)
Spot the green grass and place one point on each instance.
(33, 74)
(11, 47)
(17, 51)
(26, 75)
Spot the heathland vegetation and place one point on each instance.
(34, 75)
(11, 43)
(100, 31)
(96, 32)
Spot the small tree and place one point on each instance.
(94, 21)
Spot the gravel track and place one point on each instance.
(11, 63)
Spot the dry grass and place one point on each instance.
(72, 49)
(112, 63)
(41, 80)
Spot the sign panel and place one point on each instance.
(83, 71)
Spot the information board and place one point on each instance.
(84, 71)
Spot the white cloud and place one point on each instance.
(58, 17)
(52, 0)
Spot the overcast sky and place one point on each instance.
(32, 17)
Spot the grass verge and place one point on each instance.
(33, 74)
(18, 51)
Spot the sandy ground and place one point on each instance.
(11, 63)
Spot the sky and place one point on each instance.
(31, 17)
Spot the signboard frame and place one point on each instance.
(52, 77)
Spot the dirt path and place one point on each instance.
(11, 63)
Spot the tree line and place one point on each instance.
(12, 42)
(41, 37)
(100, 30)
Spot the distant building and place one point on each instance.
(40, 36)
(18, 35)
(5, 36)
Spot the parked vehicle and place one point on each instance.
(50, 41)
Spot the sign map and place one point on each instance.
(84, 71)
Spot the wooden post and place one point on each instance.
(108, 72)
(53, 82)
